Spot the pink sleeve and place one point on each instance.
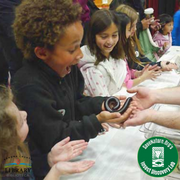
(129, 76)
(133, 73)
(128, 81)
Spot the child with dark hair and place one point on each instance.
(102, 66)
(50, 86)
(163, 37)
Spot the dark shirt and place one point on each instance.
(56, 108)
(144, 60)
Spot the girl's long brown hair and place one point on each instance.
(10, 142)
(132, 41)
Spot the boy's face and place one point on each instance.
(67, 50)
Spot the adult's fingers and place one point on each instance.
(130, 122)
(121, 97)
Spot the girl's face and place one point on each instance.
(22, 126)
(133, 28)
(128, 30)
(168, 28)
(107, 40)
(66, 52)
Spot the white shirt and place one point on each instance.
(106, 78)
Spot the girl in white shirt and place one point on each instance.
(103, 65)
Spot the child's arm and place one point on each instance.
(65, 168)
(66, 150)
(148, 72)
(133, 77)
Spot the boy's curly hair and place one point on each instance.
(42, 23)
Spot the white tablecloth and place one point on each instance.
(115, 154)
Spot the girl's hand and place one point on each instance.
(149, 67)
(166, 44)
(139, 73)
(66, 150)
(65, 168)
(150, 73)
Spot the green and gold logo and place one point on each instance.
(157, 156)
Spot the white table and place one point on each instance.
(115, 153)
(172, 54)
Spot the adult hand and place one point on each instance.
(145, 23)
(139, 117)
(144, 97)
(66, 150)
(64, 168)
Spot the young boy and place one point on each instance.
(50, 87)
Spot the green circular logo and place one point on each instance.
(157, 156)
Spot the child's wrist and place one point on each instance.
(54, 173)
(140, 79)
(49, 159)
